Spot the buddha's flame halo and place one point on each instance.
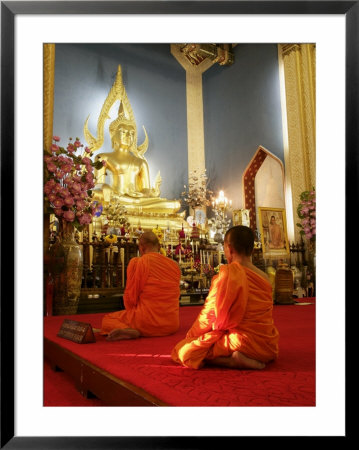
(125, 114)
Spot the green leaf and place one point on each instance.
(98, 165)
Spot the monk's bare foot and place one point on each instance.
(236, 361)
(241, 361)
(122, 333)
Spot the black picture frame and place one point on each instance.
(9, 9)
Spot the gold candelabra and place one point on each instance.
(220, 223)
(221, 203)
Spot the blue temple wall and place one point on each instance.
(241, 107)
(242, 110)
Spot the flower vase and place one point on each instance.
(66, 267)
(311, 274)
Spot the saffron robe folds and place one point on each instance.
(236, 316)
(151, 297)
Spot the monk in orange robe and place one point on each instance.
(235, 326)
(151, 296)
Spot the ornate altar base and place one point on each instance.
(148, 221)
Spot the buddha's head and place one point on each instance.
(123, 137)
(122, 131)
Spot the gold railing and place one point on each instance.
(105, 265)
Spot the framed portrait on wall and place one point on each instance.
(273, 228)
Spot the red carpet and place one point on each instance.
(146, 362)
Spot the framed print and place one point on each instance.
(273, 229)
(25, 423)
(241, 217)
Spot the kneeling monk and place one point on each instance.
(151, 296)
(235, 326)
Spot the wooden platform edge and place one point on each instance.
(91, 379)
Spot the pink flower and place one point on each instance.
(54, 147)
(66, 168)
(58, 211)
(64, 159)
(89, 178)
(305, 211)
(76, 187)
(85, 219)
(80, 204)
(86, 160)
(69, 216)
(77, 143)
(51, 197)
(51, 167)
(69, 201)
(57, 188)
(87, 150)
(104, 162)
(48, 158)
(71, 148)
(56, 138)
(49, 185)
(64, 192)
(58, 203)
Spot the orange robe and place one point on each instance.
(151, 297)
(236, 316)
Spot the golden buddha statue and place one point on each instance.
(127, 164)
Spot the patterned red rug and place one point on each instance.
(146, 362)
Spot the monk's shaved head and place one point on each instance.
(241, 238)
(149, 241)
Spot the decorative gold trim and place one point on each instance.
(288, 48)
(297, 63)
(48, 102)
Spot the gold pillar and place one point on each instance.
(297, 68)
(49, 82)
(48, 116)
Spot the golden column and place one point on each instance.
(298, 93)
(49, 81)
(48, 117)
